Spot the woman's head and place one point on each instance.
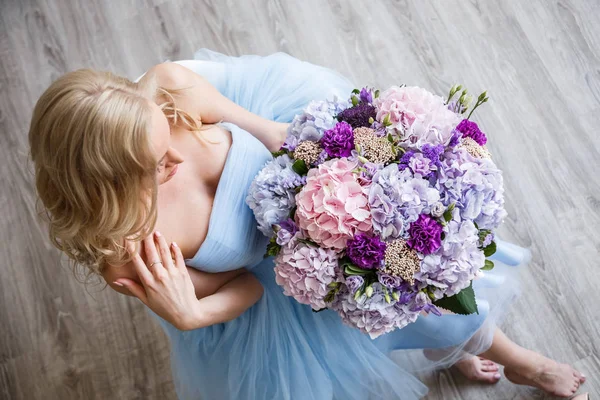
(100, 145)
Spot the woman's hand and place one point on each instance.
(166, 288)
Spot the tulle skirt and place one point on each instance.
(280, 349)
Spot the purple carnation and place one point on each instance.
(425, 234)
(470, 129)
(366, 96)
(354, 282)
(338, 141)
(405, 159)
(365, 251)
(358, 116)
(433, 153)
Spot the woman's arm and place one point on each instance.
(167, 289)
(205, 283)
(201, 98)
(228, 303)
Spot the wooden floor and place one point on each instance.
(539, 60)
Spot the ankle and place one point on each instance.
(528, 365)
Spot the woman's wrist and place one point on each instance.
(194, 319)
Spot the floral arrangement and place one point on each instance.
(382, 207)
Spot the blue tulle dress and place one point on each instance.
(280, 349)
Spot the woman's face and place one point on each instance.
(167, 158)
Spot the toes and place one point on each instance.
(489, 377)
(489, 368)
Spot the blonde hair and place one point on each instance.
(95, 171)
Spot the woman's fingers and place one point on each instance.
(150, 250)
(140, 267)
(165, 253)
(178, 256)
(135, 288)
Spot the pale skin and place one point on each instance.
(189, 298)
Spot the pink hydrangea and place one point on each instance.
(333, 206)
(417, 114)
(305, 271)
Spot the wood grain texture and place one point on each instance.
(539, 60)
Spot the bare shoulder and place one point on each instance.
(174, 76)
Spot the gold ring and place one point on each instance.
(156, 262)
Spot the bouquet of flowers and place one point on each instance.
(382, 207)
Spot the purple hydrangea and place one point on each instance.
(470, 129)
(425, 234)
(487, 240)
(396, 199)
(455, 139)
(316, 118)
(358, 116)
(272, 193)
(339, 140)
(373, 315)
(365, 251)
(287, 230)
(456, 263)
(354, 282)
(475, 185)
(422, 302)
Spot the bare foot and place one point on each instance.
(479, 369)
(556, 379)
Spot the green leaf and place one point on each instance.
(354, 101)
(272, 249)
(490, 249)
(356, 91)
(293, 212)
(386, 120)
(351, 271)
(299, 167)
(390, 138)
(462, 303)
(376, 93)
(488, 266)
(448, 215)
(330, 296)
(278, 153)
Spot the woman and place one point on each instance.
(109, 161)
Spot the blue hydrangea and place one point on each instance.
(456, 263)
(316, 118)
(272, 193)
(397, 198)
(475, 185)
